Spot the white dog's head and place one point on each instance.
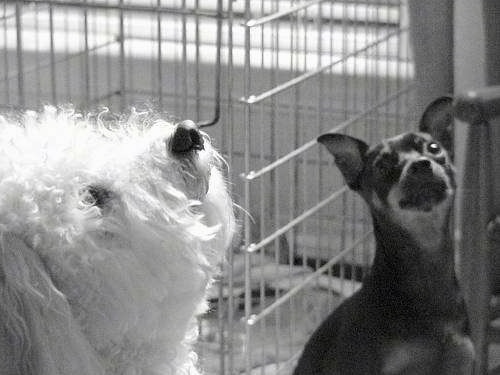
(110, 231)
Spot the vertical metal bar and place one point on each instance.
(300, 39)
(262, 192)
(345, 105)
(96, 74)
(410, 66)
(86, 56)
(153, 56)
(367, 81)
(19, 55)
(274, 178)
(356, 106)
(478, 175)
(52, 57)
(302, 21)
(220, 319)
(121, 46)
(38, 88)
(262, 231)
(247, 149)
(366, 221)
(476, 200)
(184, 63)
(345, 51)
(159, 66)
(177, 71)
(67, 65)
(6, 56)
(197, 61)
(107, 60)
(224, 309)
(275, 181)
(331, 104)
(399, 63)
(218, 66)
(388, 77)
(320, 119)
(229, 147)
(378, 81)
(484, 184)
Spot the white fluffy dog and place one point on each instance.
(109, 234)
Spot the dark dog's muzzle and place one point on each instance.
(421, 187)
(420, 168)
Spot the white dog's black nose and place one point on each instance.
(420, 167)
(186, 138)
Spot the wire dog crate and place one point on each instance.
(270, 75)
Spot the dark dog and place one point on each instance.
(409, 317)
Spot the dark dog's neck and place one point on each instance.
(405, 274)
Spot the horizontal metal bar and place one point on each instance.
(254, 247)
(255, 174)
(7, 16)
(99, 100)
(478, 106)
(262, 20)
(120, 7)
(285, 297)
(339, 18)
(253, 99)
(288, 363)
(45, 64)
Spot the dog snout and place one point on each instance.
(186, 138)
(420, 167)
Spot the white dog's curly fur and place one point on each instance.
(108, 239)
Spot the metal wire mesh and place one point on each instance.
(339, 66)
(273, 75)
(164, 54)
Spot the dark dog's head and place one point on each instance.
(408, 178)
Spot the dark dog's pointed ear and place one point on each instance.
(437, 120)
(349, 155)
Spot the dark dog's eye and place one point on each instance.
(433, 148)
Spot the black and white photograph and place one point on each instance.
(249, 187)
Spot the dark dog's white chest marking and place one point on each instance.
(425, 357)
(410, 357)
(426, 228)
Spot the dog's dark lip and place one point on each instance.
(407, 204)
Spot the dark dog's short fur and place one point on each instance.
(409, 317)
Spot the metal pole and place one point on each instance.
(19, 55)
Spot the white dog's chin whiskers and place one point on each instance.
(113, 239)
